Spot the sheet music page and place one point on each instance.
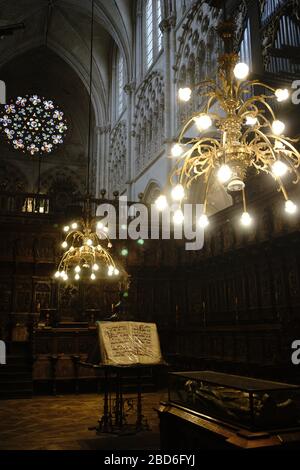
(127, 343)
(145, 337)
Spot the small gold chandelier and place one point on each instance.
(245, 133)
(85, 255)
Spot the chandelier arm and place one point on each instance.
(293, 168)
(186, 126)
(199, 143)
(197, 174)
(204, 169)
(253, 109)
(266, 140)
(210, 102)
(206, 190)
(255, 83)
(190, 162)
(281, 187)
(258, 100)
(265, 122)
(287, 141)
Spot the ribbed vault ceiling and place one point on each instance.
(68, 25)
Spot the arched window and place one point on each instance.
(120, 84)
(153, 34)
(245, 46)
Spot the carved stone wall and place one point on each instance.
(148, 124)
(118, 158)
(196, 53)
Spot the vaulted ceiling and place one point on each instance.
(64, 27)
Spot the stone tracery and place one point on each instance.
(118, 158)
(148, 124)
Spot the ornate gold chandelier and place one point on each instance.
(85, 255)
(238, 130)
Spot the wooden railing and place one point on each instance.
(24, 203)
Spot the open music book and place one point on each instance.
(128, 343)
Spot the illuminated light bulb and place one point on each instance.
(177, 192)
(184, 94)
(176, 150)
(282, 94)
(279, 145)
(116, 272)
(290, 207)
(278, 127)
(246, 219)
(251, 120)
(74, 226)
(241, 71)
(203, 122)
(100, 225)
(203, 221)
(110, 270)
(65, 276)
(89, 242)
(77, 277)
(95, 267)
(279, 168)
(224, 173)
(64, 245)
(93, 277)
(109, 245)
(66, 228)
(161, 202)
(77, 269)
(141, 241)
(124, 252)
(57, 274)
(72, 248)
(178, 217)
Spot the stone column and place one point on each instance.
(254, 14)
(103, 135)
(129, 90)
(167, 26)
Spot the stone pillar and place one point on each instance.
(129, 90)
(167, 26)
(103, 135)
(254, 14)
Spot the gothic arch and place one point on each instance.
(151, 193)
(148, 123)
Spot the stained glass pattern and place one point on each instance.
(33, 124)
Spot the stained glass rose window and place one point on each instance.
(33, 124)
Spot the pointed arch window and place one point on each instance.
(245, 46)
(153, 33)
